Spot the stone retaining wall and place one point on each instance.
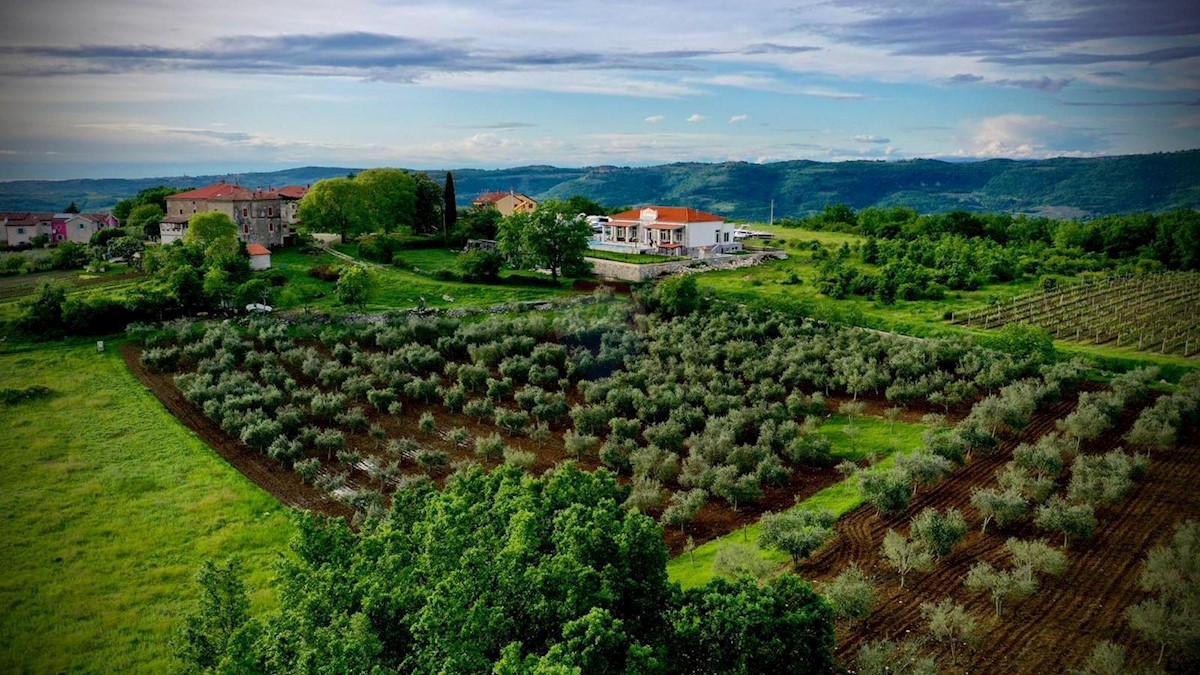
(623, 271)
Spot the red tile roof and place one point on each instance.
(670, 214)
(215, 191)
(25, 218)
(293, 191)
(257, 249)
(490, 197)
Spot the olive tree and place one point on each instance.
(905, 555)
(949, 623)
(1001, 585)
(1005, 506)
(939, 533)
(1073, 520)
(851, 594)
(1170, 617)
(798, 532)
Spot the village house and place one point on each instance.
(507, 203)
(667, 230)
(79, 227)
(264, 217)
(18, 228)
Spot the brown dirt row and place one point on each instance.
(1055, 629)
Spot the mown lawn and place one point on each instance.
(109, 506)
(874, 435)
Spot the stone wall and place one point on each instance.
(623, 271)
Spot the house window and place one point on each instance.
(245, 229)
(270, 211)
(81, 226)
(245, 213)
(181, 212)
(20, 230)
(270, 227)
(726, 236)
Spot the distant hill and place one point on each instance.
(1063, 187)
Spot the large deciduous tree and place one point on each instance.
(391, 197)
(336, 205)
(548, 238)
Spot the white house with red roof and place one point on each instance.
(667, 230)
(264, 217)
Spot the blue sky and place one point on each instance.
(96, 88)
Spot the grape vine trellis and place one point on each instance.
(1150, 312)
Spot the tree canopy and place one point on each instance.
(338, 205)
(502, 572)
(551, 237)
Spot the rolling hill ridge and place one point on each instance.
(1060, 187)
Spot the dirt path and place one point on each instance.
(1055, 629)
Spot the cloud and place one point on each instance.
(738, 118)
(696, 117)
(773, 48)
(499, 126)
(835, 95)
(1009, 32)
(1043, 83)
(374, 56)
(1031, 136)
(872, 138)
(655, 119)
(1037, 84)
(1192, 122)
(1132, 104)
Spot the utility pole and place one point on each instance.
(772, 212)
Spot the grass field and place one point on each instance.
(396, 288)
(109, 506)
(874, 436)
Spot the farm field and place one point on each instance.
(770, 286)
(1055, 629)
(109, 507)
(15, 288)
(1152, 313)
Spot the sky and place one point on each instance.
(139, 88)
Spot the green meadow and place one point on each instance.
(874, 437)
(109, 506)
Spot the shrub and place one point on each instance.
(615, 453)
(519, 458)
(489, 447)
(479, 265)
(798, 532)
(578, 445)
(161, 359)
(324, 272)
(939, 533)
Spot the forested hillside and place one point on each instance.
(1061, 187)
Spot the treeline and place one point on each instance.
(505, 573)
(922, 256)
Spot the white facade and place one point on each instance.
(667, 230)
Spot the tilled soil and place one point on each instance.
(1054, 630)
